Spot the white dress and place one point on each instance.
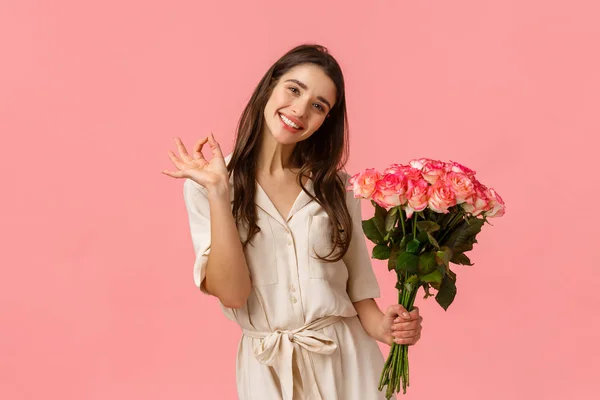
(301, 337)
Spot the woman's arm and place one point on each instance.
(220, 269)
(227, 274)
(370, 317)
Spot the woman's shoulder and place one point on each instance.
(345, 176)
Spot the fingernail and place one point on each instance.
(406, 315)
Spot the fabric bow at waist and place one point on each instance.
(277, 349)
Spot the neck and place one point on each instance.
(274, 158)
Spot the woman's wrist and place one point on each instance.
(218, 191)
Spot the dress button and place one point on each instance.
(293, 288)
(294, 300)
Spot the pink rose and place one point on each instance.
(419, 163)
(434, 171)
(386, 202)
(441, 197)
(462, 186)
(394, 169)
(478, 202)
(406, 171)
(496, 204)
(417, 196)
(453, 166)
(390, 191)
(364, 183)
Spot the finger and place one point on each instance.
(175, 160)
(405, 326)
(198, 149)
(214, 146)
(406, 334)
(409, 328)
(406, 341)
(182, 150)
(417, 320)
(397, 310)
(173, 174)
(415, 339)
(414, 313)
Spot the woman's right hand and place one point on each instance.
(196, 168)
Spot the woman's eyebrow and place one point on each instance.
(303, 86)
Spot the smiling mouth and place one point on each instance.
(289, 122)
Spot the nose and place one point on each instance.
(299, 107)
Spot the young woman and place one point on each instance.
(278, 239)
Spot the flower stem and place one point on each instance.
(414, 226)
(402, 221)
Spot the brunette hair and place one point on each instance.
(320, 156)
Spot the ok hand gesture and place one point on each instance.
(197, 168)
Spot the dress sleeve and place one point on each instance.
(198, 211)
(362, 282)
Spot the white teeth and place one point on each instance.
(288, 122)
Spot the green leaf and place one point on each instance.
(435, 276)
(392, 259)
(466, 246)
(427, 263)
(422, 237)
(464, 233)
(403, 242)
(451, 274)
(427, 293)
(446, 292)
(461, 259)
(413, 246)
(432, 240)
(407, 262)
(427, 226)
(390, 219)
(371, 231)
(411, 283)
(443, 256)
(381, 252)
(379, 219)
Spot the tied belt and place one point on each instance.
(277, 349)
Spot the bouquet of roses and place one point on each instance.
(427, 215)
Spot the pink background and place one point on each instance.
(97, 297)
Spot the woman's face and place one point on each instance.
(299, 103)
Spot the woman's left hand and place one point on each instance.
(401, 326)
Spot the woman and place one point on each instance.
(279, 241)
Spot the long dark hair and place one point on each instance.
(320, 156)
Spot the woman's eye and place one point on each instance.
(320, 107)
(293, 89)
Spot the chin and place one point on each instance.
(284, 138)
